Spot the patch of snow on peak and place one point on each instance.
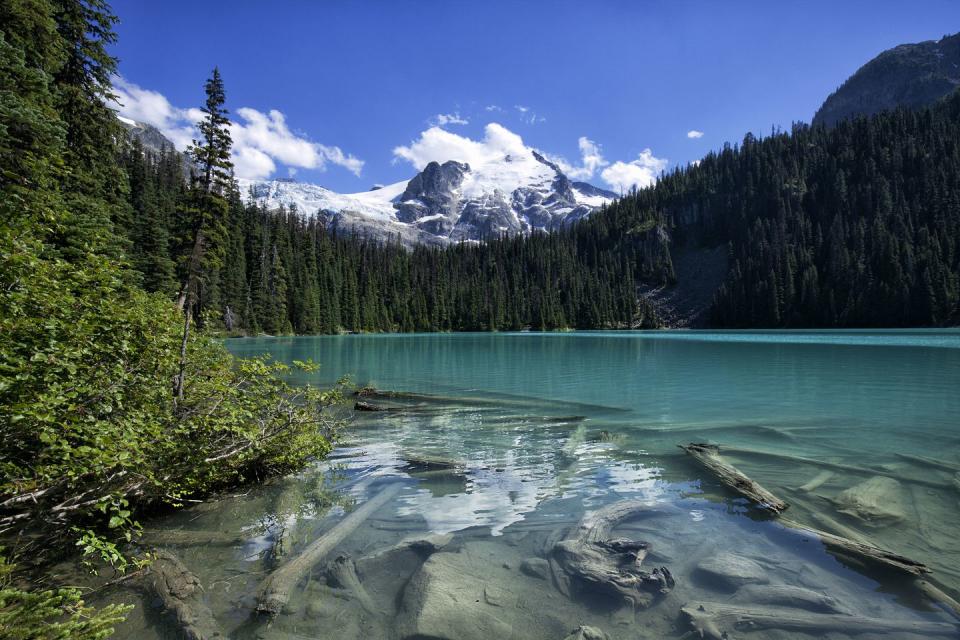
(311, 198)
(590, 200)
(507, 174)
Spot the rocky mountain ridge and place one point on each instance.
(909, 75)
(447, 202)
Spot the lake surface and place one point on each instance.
(502, 443)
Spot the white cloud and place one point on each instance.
(260, 140)
(252, 163)
(493, 107)
(438, 145)
(443, 119)
(152, 107)
(144, 105)
(639, 173)
(521, 108)
(335, 155)
(591, 158)
(694, 134)
(269, 134)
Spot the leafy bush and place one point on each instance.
(89, 429)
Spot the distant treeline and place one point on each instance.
(283, 272)
(856, 225)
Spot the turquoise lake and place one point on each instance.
(501, 443)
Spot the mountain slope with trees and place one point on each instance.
(910, 75)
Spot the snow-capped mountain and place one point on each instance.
(507, 193)
(513, 194)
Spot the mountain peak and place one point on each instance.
(448, 201)
(908, 75)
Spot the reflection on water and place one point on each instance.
(507, 441)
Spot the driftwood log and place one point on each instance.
(342, 573)
(817, 481)
(926, 462)
(588, 558)
(936, 594)
(856, 550)
(498, 402)
(286, 509)
(709, 456)
(276, 588)
(182, 596)
(715, 621)
(861, 552)
(836, 466)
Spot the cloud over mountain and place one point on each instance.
(260, 140)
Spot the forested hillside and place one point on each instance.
(857, 225)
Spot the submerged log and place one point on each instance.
(924, 461)
(791, 597)
(276, 588)
(709, 456)
(182, 595)
(860, 551)
(360, 405)
(498, 402)
(817, 481)
(938, 595)
(856, 550)
(286, 508)
(715, 621)
(588, 557)
(836, 466)
(342, 573)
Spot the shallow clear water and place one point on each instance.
(539, 429)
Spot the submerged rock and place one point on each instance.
(587, 633)
(536, 568)
(730, 571)
(402, 560)
(468, 595)
(879, 501)
(443, 603)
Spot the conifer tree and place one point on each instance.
(205, 215)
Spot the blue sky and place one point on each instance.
(341, 92)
